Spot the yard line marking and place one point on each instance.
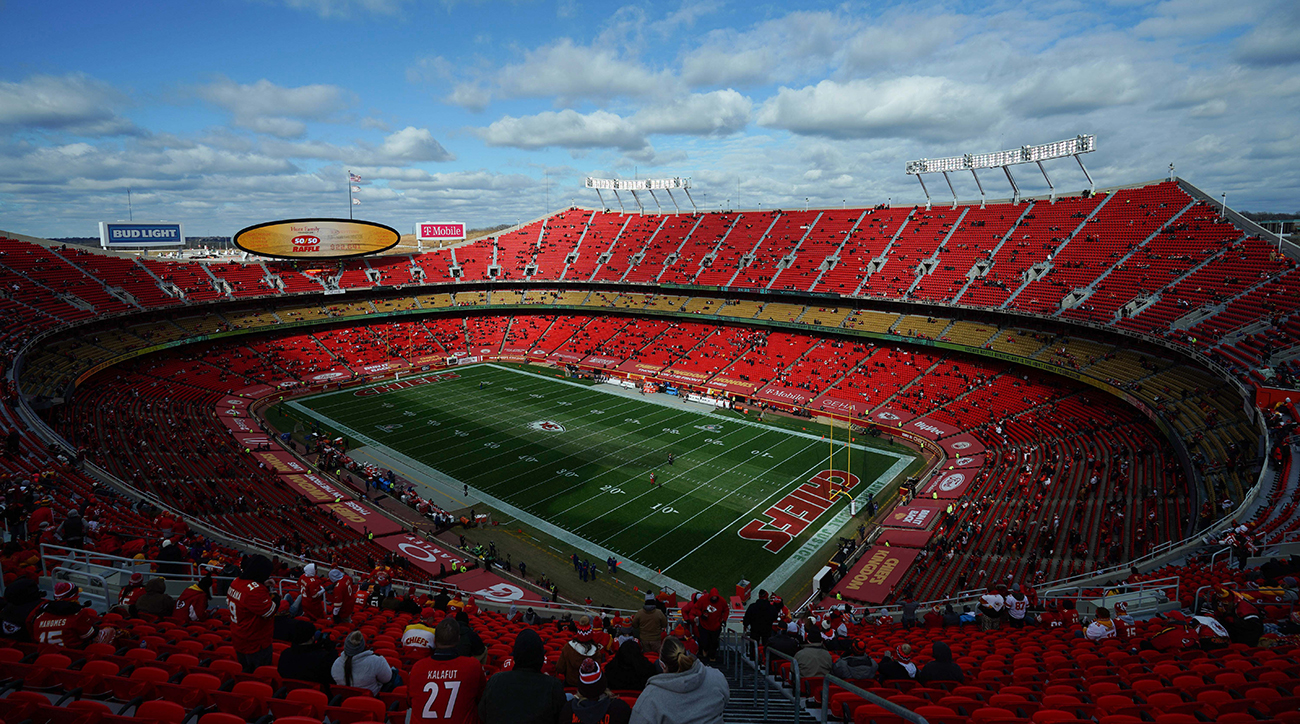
(801, 451)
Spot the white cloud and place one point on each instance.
(74, 103)
(913, 107)
(571, 72)
(409, 145)
(470, 96)
(347, 8)
(565, 129)
(265, 107)
(412, 145)
(702, 114)
(1075, 90)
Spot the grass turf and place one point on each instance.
(582, 459)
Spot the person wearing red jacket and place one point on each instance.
(446, 686)
(192, 605)
(313, 593)
(133, 590)
(713, 612)
(42, 514)
(342, 595)
(252, 606)
(64, 621)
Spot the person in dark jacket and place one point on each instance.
(22, 599)
(471, 644)
(889, 669)
(593, 704)
(73, 530)
(155, 600)
(174, 557)
(523, 695)
(943, 668)
(759, 617)
(785, 642)
(857, 665)
(630, 668)
(950, 616)
(307, 658)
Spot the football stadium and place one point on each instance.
(988, 449)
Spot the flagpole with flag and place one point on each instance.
(353, 179)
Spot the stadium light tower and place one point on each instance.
(645, 184)
(1005, 160)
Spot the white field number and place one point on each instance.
(612, 490)
(528, 458)
(712, 441)
(671, 431)
(564, 473)
(759, 453)
(664, 509)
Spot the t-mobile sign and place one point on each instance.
(439, 231)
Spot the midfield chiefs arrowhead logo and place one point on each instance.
(952, 482)
(709, 428)
(546, 426)
(960, 445)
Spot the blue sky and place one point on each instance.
(231, 112)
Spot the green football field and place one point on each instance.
(576, 461)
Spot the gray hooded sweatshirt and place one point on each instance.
(695, 696)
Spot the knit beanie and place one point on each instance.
(528, 651)
(354, 644)
(591, 680)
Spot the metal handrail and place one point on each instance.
(1196, 602)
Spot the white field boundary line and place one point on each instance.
(797, 433)
(550, 529)
(871, 489)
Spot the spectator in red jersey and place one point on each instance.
(192, 606)
(43, 513)
(342, 595)
(593, 704)
(64, 621)
(446, 686)
(252, 608)
(713, 616)
(132, 591)
(312, 591)
(1177, 636)
(579, 648)
(1125, 625)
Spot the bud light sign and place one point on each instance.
(439, 231)
(138, 235)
